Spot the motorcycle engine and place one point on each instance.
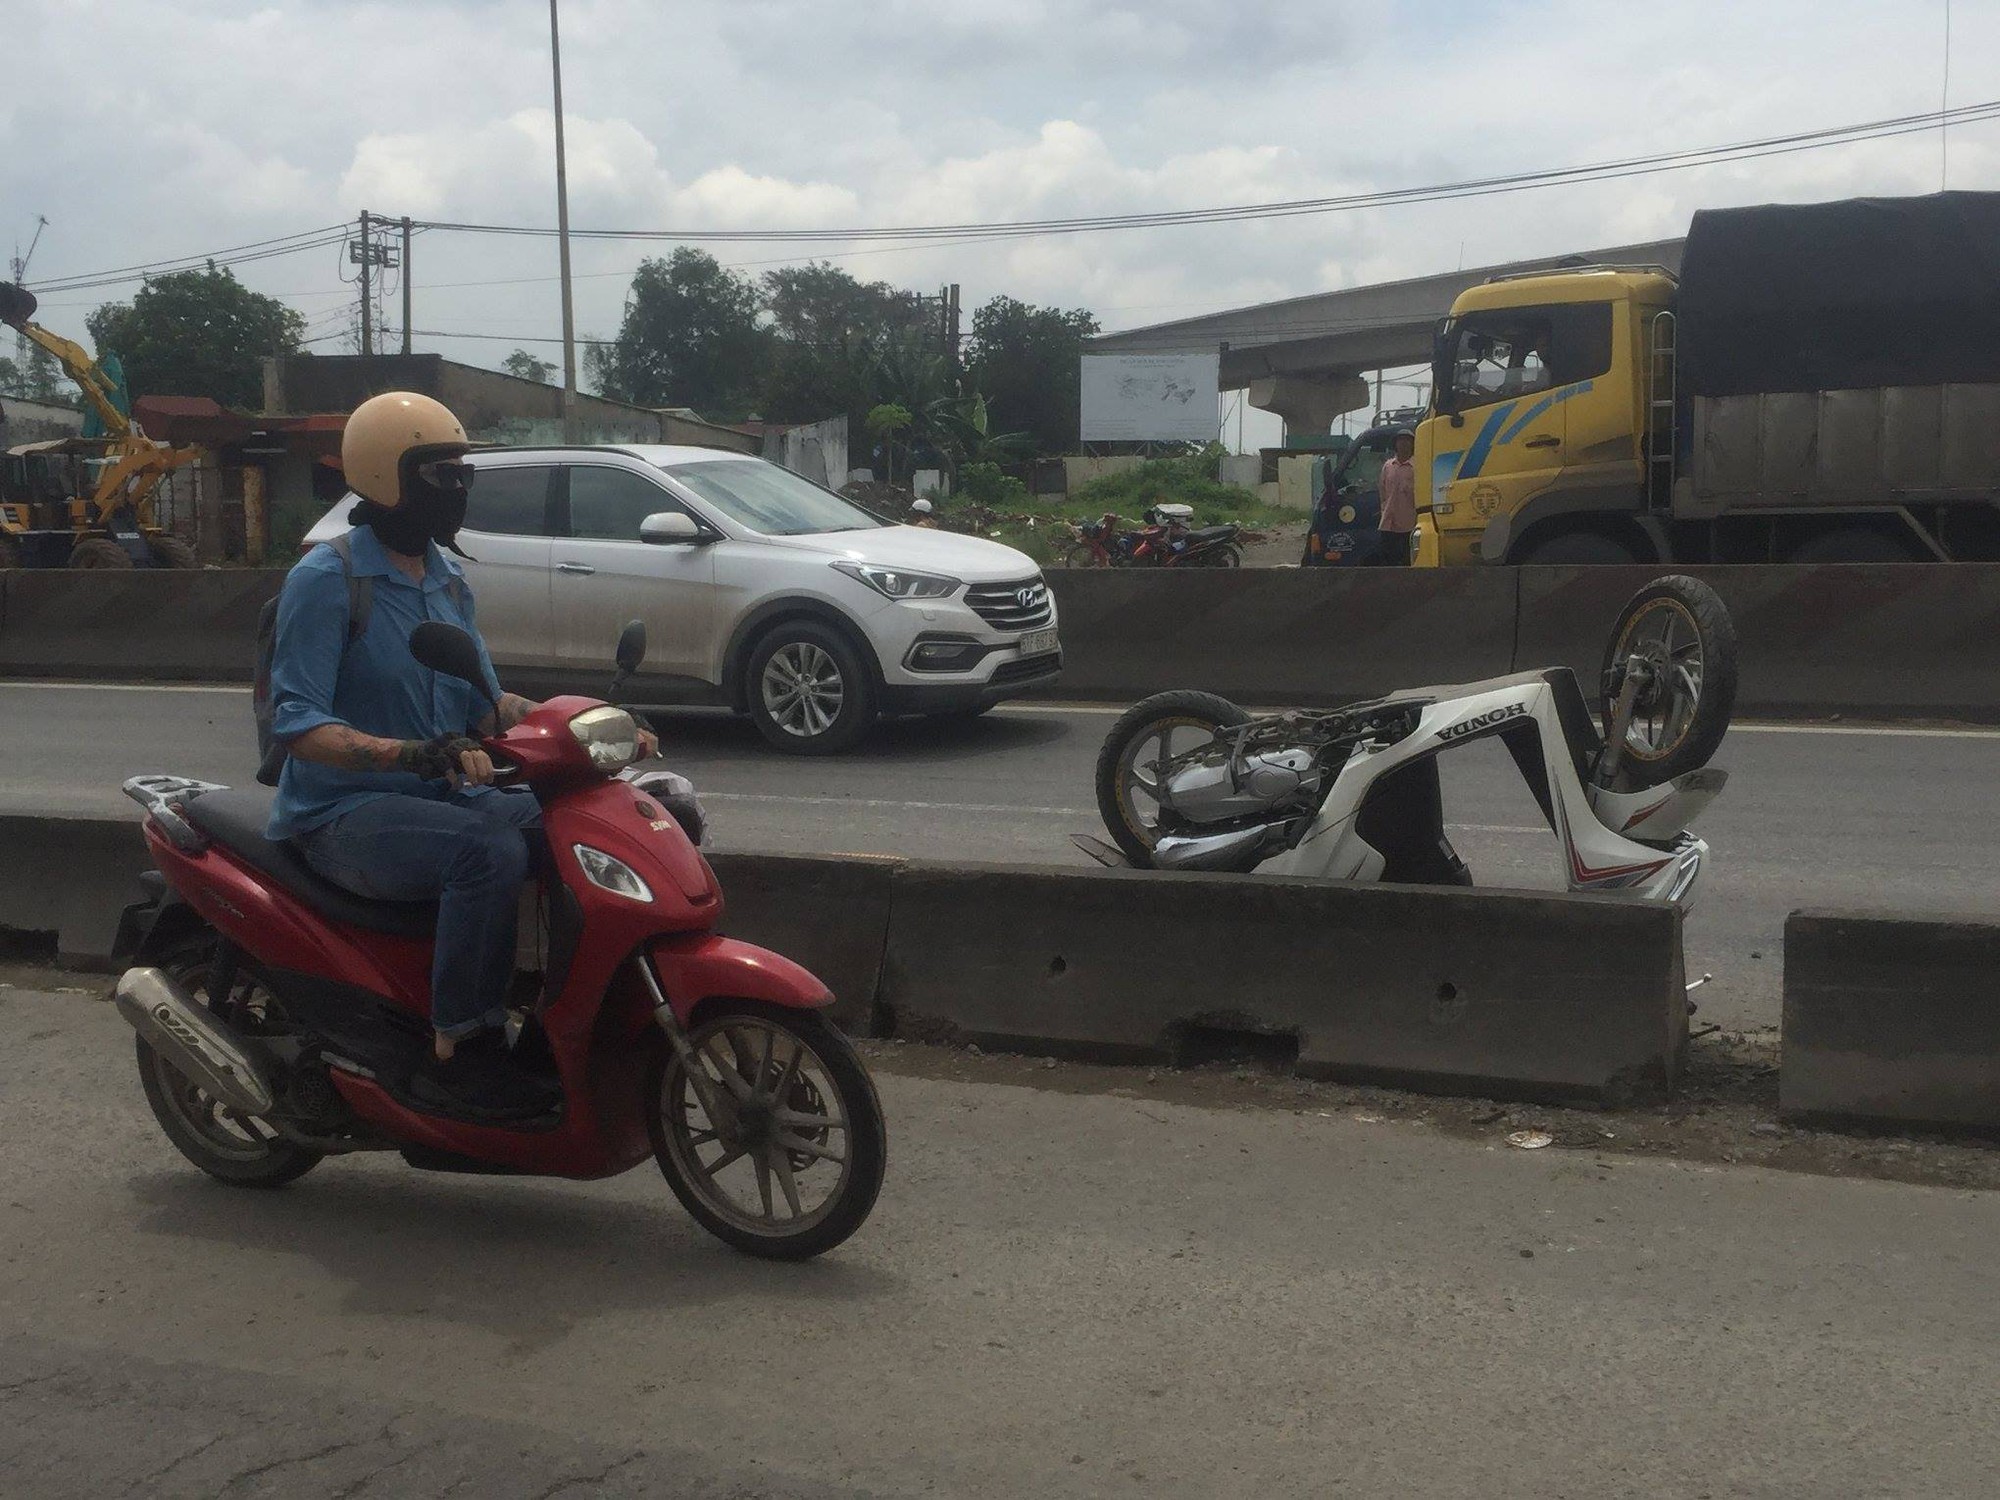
(1263, 782)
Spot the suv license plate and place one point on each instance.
(1039, 643)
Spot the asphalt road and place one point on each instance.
(1812, 816)
(1059, 1294)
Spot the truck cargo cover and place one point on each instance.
(1841, 296)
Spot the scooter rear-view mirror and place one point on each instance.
(447, 649)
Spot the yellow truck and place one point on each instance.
(1821, 383)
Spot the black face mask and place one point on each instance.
(429, 513)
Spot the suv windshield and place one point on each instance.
(768, 499)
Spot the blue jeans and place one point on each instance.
(471, 855)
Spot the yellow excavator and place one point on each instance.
(85, 502)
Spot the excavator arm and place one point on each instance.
(17, 306)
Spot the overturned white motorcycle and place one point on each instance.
(1189, 781)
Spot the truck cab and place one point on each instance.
(1535, 447)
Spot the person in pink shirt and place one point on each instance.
(1398, 488)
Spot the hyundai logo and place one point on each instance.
(1031, 596)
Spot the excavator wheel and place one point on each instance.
(99, 552)
(172, 552)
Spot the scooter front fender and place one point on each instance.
(702, 966)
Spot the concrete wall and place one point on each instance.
(24, 421)
(1892, 1019)
(1078, 471)
(818, 451)
(1532, 996)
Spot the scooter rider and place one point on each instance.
(384, 791)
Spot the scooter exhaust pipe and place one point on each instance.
(199, 1047)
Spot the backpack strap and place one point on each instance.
(360, 591)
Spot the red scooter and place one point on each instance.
(280, 1017)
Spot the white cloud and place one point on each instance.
(145, 130)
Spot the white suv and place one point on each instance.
(760, 591)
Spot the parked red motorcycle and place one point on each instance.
(280, 1017)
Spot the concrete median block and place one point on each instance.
(1892, 1020)
(148, 624)
(69, 876)
(1280, 635)
(1510, 994)
(829, 914)
(1890, 641)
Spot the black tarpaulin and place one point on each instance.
(1841, 296)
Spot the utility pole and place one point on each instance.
(562, 240)
(406, 283)
(367, 302)
(951, 323)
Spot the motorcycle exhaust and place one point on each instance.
(1212, 851)
(200, 1048)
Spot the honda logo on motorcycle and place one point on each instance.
(1031, 596)
(1484, 721)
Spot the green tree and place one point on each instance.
(887, 423)
(1025, 360)
(197, 333)
(524, 366)
(691, 337)
(828, 328)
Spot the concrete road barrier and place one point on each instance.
(1280, 635)
(1529, 996)
(829, 914)
(146, 624)
(69, 877)
(1891, 641)
(1452, 990)
(1892, 1020)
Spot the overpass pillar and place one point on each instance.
(1309, 403)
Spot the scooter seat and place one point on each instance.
(1212, 534)
(236, 820)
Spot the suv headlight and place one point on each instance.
(610, 735)
(900, 583)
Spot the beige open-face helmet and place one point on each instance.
(386, 431)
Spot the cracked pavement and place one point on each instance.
(1063, 1292)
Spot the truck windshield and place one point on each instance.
(768, 499)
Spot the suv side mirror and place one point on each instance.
(669, 527)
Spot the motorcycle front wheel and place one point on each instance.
(1676, 637)
(1155, 729)
(774, 1141)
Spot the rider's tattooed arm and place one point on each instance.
(513, 709)
(351, 750)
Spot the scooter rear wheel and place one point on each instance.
(1676, 635)
(243, 1152)
(778, 1147)
(1152, 730)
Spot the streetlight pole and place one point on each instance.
(562, 241)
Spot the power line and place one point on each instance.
(288, 244)
(1470, 188)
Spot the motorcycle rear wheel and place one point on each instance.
(239, 1150)
(783, 1096)
(1170, 724)
(1680, 630)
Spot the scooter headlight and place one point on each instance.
(609, 874)
(611, 735)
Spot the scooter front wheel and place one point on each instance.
(771, 1133)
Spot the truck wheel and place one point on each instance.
(172, 552)
(1578, 547)
(1854, 544)
(99, 552)
(1678, 632)
(809, 691)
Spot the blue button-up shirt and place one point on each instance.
(373, 684)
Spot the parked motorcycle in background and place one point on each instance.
(1189, 781)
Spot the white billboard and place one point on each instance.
(1151, 397)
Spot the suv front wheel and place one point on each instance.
(810, 693)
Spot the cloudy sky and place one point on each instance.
(145, 130)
